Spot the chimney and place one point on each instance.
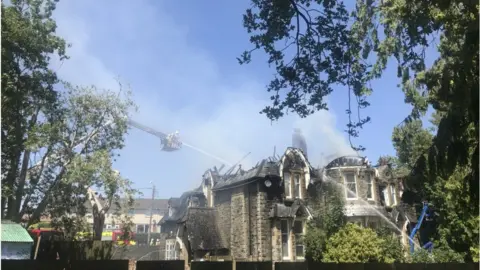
(298, 141)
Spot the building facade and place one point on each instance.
(261, 214)
(142, 211)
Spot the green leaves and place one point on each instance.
(88, 133)
(28, 44)
(312, 49)
(354, 244)
(328, 218)
(439, 255)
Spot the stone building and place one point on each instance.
(260, 214)
(364, 193)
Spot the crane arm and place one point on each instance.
(158, 134)
(417, 227)
(170, 142)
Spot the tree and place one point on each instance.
(448, 192)
(411, 141)
(75, 153)
(28, 95)
(329, 217)
(328, 51)
(392, 244)
(439, 255)
(312, 48)
(354, 244)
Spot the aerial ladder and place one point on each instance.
(170, 142)
(423, 215)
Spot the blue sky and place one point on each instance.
(179, 58)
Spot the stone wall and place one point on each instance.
(276, 241)
(222, 203)
(260, 223)
(254, 230)
(244, 221)
(264, 206)
(360, 174)
(239, 240)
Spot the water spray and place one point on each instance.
(385, 218)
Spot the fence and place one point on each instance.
(59, 265)
(227, 265)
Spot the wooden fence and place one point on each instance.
(227, 265)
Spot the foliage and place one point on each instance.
(327, 50)
(29, 42)
(449, 193)
(438, 255)
(329, 217)
(312, 48)
(315, 240)
(92, 128)
(354, 244)
(392, 244)
(475, 253)
(74, 153)
(447, 175)
(411, 141)
(76, 250)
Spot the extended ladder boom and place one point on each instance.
(159, 134)
(170, 142)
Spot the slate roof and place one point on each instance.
(363, 210)
(264, 168)
(180, 206)
(281, 210)
(202, 229)
(14, 233)
(346, 161)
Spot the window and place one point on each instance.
(142, 228)
(285, 243)
(170, 253)
(298, 229)
(297, 186)
(170, 211)
(369, 187)
(288, 185)
(386, 196)
(394, 194)
(350, 186)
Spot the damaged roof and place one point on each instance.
(180, 206)
(202, 229)
(346, 161)
(264, 168)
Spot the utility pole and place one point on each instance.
(151, 216)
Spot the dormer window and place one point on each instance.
(194, 202)
(288, 185)
(393, 193)
(293, 185)
(298, 191)
(369, 186)
(170, 211)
